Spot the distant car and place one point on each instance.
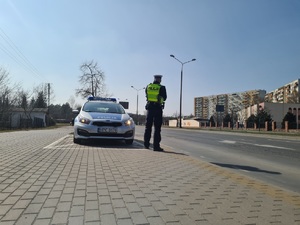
(103, 118)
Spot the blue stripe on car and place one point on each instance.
(106, 116)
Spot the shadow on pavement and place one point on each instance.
(107, 144)
(247, 168)
(151, 149)
(175, 153)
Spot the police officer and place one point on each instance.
(156, 95)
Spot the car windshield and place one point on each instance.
(103, 107)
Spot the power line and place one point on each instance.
(13, 57)
(16, 49)
(5, 50)
(18, 57)
(20, 63)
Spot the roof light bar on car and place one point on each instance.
(91, 98)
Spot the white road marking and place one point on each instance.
(228, 142)
(55, 142)
(55, 145)
(266, 146)
(272, 146)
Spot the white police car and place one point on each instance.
(103, 118)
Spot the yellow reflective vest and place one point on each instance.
(153, 93)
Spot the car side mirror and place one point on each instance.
(75, 111)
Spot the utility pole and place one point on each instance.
(137, 103)
(93, 91)
(49, 94)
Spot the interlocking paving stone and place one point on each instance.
(12, 215)
(60, 218)
(4, 209)
(78, 220)
(108, 219)
(46, 213)
(26, 219)
(22, 204)
(50, 180)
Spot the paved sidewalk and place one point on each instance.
(65, 183)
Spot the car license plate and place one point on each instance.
(107, 130)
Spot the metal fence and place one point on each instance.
(22, 123)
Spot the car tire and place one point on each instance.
(129, 142)
(76, 141)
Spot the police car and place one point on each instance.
(103, 118)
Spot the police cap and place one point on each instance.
(157, 76)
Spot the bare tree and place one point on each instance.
(3, 77)
(72, 102)
(242, 116)
(40, 96)
(22, 101)
(7, 97)
(4, 92)
(91, 81)
(30, 100)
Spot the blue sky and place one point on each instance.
(239, 45)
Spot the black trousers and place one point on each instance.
(154, 116)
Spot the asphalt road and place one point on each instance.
(272, 159)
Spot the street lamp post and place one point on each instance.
(137, 103)
(181, 75)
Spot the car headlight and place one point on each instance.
(84, 120)
(128, 122)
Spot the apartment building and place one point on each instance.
(205, 107)
(243, 104)
(288, 93)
